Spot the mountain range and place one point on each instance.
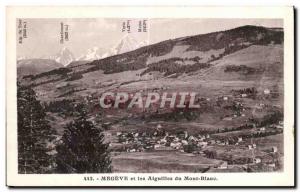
(66, 57)
(213, 63)
(126, 44)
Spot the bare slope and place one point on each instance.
(36, 66)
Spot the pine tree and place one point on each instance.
(83, 149)
(33, 133)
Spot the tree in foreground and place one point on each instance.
(34, 133)
(83, 149)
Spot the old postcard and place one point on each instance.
(150, 96)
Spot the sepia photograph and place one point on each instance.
(141, 95)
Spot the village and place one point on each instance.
(236, 144)
(184, 142)
(200, 144)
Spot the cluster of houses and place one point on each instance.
(272, 126)
(161, 140)
(183, 142)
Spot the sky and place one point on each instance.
(43, 35)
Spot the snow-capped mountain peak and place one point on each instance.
(126, 44)
(65, 56)
(91, 54)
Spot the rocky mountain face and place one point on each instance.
(126, 44)
(65, 56)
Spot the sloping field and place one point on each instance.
(161, 162)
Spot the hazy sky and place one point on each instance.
(43, 35)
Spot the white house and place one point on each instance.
(175, 145)
(131, 150)
(272, 165)
(267, 91)
(223, 165)
(184, 142)
(256, 160)
(262, 129)
(274, 149)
